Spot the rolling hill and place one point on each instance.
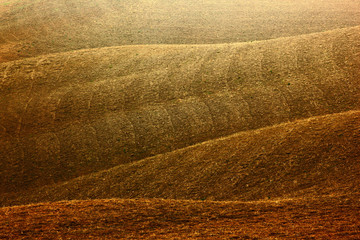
(157, 119)
(37, 27)
(73, 113)
(305, 158)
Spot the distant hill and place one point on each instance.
(36, 27)
(70, 114)
(306, 158)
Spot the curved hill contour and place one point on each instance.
(183, 119)
(30, 28)
(298, 159)
(70, 114)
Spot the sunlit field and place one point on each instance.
(156, 119)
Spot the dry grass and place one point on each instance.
(302, 158)
(70, 114)
(335, 217)
(40, 27)
(83, 116)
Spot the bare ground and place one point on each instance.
(327, 217)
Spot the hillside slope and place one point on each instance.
(70, 114)
(314, 218)
(309, 157)
(36, 27)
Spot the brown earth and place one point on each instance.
(63, 116)
(38, 27)
(328, 217)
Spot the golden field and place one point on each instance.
(152, 119)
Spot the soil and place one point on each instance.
(328, 217)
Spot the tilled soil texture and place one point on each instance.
(36, 27)
(329, 217)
